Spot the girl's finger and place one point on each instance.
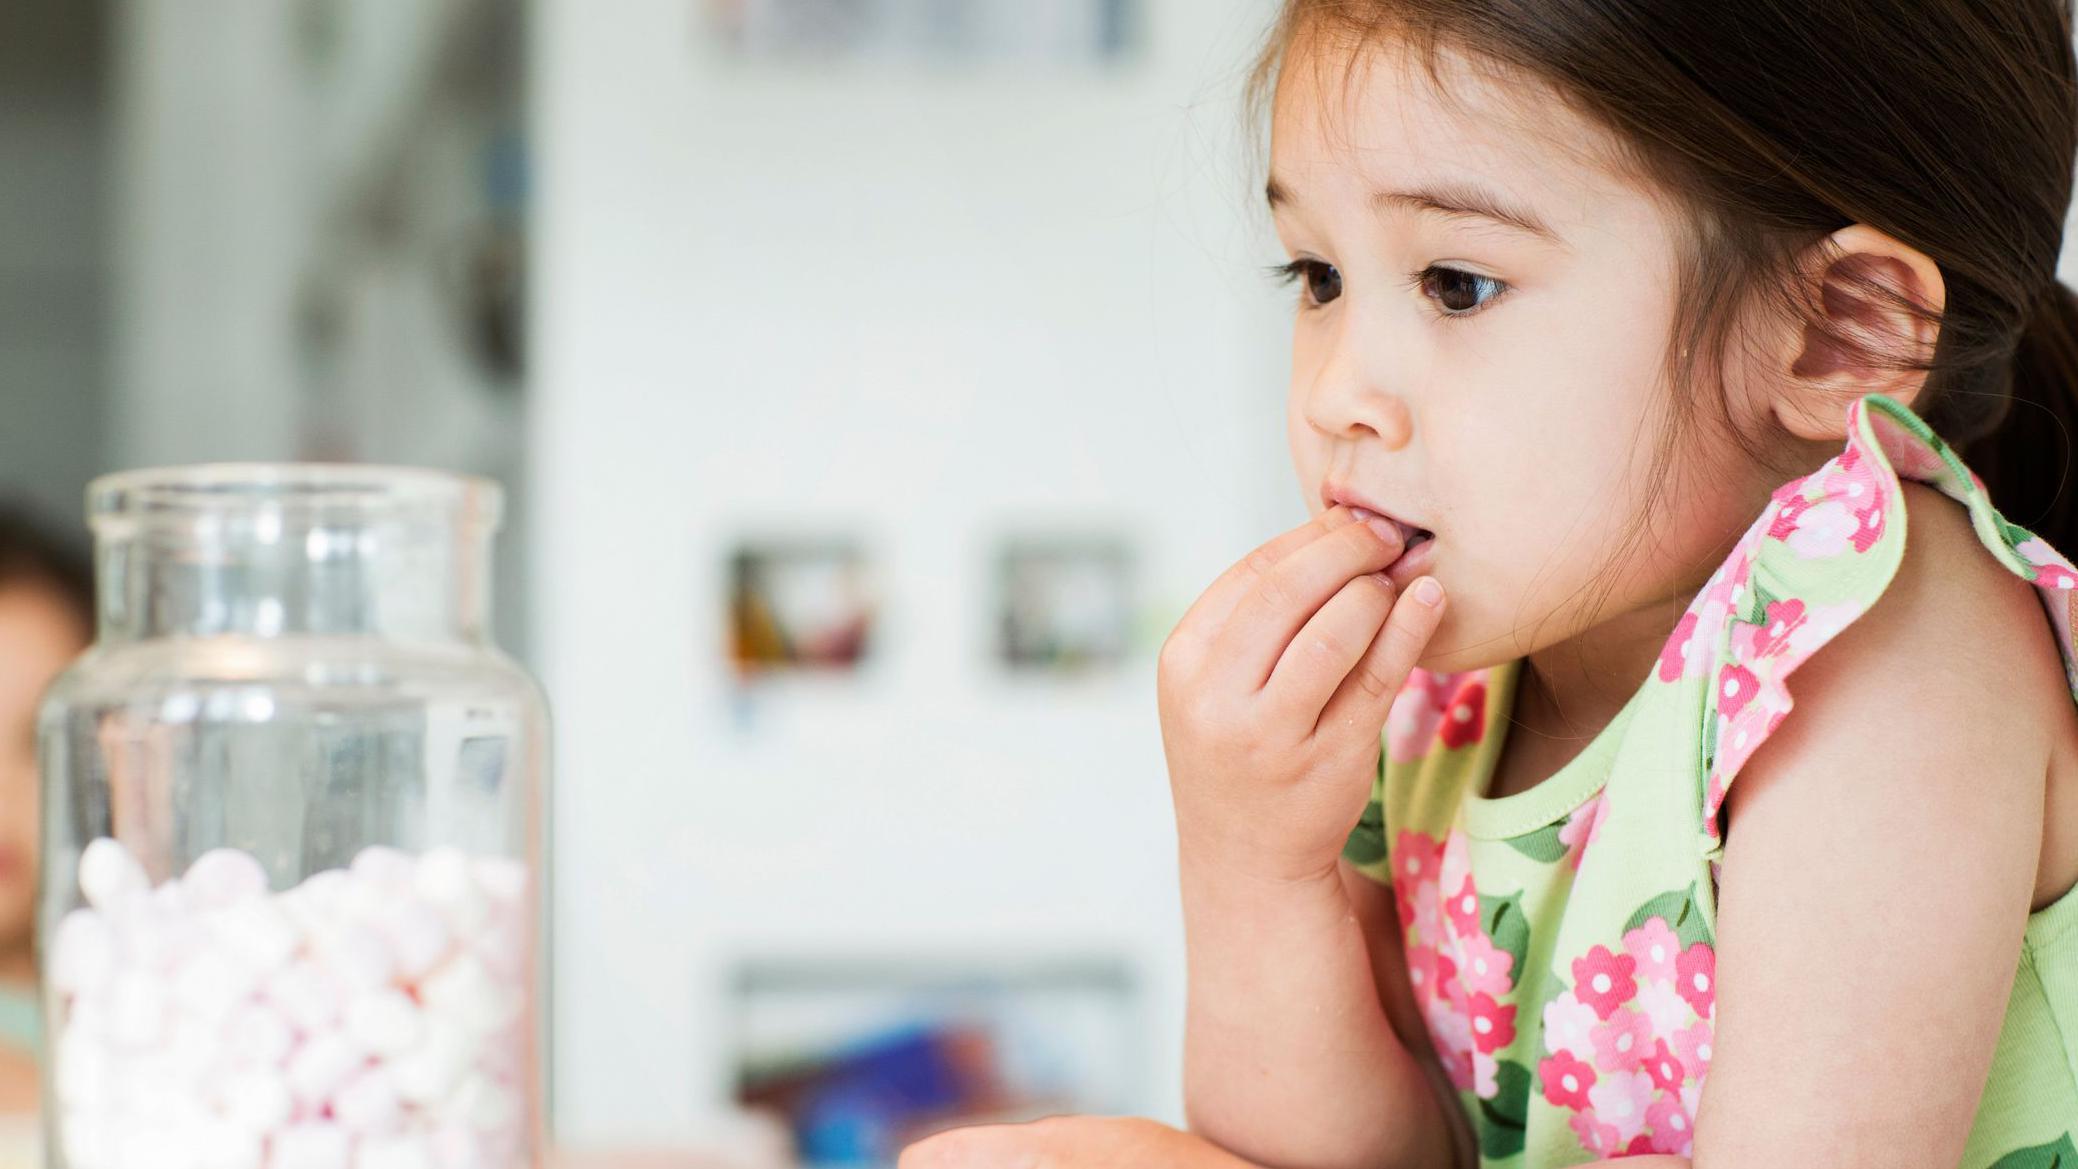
(1202, 622)
(1366, 696)
(1269, 615)
(1330, 644)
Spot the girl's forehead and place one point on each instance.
(1374, 118)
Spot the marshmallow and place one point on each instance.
(368, 1105)
(427, 1073)
(321, 1065)
(255, 1101)
(396, 1153)
(109, 875)
(443, 879)
(82, 953)
(385, 1022)
(484, 1104)
(257, 933)
(465, 991)
(503, 878)
(419, 938)
(357, 952)
(315, 1145)
(308, 994)
(136, 1009)
(224, 876)
(257, 1035)
(385, 867)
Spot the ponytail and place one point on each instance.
(2026, 462)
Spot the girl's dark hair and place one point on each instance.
(1950, 125)
(35, 554)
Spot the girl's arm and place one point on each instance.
(1293, 1053)
(1878, 872)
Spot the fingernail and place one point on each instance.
(1427, 591)
(1359, 512)
(1385, 529)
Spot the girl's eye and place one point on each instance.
(1458, 292)
(1323, 283)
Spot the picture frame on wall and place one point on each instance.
(799, 605)
(1064, 604)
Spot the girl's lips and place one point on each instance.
(1412, 564)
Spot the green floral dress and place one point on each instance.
(1560, 940)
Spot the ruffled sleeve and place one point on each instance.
(1818, 557)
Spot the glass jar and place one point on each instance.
(293, 819)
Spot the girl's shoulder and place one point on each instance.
(1893, 556)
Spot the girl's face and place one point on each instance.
(1497, 383)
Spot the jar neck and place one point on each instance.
(260, 563)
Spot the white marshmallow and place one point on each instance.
(357, 953)
(208, 985)
(321, 1065)
(465, 991)
(444, 881)
(314, 1145)
(308, 994)
(388, 868)
(257, 933)
(258, 1036)
(155, 1147)
(419, 938)
(136, 1009)
(109, 875)
(224, 1145)
(503, 878)
(457, 1146)
(82, 953)
(224, 876)
(385, 1022)
(368, 1104)
(409, 1152)
(427, 1073)
(85, 1072)
(484, 1104)
(256, 1101)
(89, 1139)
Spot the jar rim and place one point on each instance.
(369, 488)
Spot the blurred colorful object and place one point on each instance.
(861, 1059)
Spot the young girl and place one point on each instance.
(1705, 356)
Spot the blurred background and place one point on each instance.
(874, 383)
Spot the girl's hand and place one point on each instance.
(1273, 691)
(1068, 1142)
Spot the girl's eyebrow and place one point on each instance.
(1455, 199)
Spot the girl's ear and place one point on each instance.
(1857, 339)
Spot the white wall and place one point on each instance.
(924, 309)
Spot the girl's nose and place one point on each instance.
(1349, 399)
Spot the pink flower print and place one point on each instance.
(1662, 1005)
(1566, 1081)
(1427, 916)
(1622, 1042)
(1673, 1128)
(1819, 625)
(1421, 972)
(1463, 908)
(1464, 719)
(1736, 686)
(1856, 484)
(1737, 740)
(1620, 1100)
(1822, 530)
(1679, 653)
(1775, 631)
(1411, 723)
(2055, 576)
(1583, 827)
(1485, 1075)
(1791, 504)
(1417, 859)
(1568, 1026)
(1603, 980)
(1493, 1024)
(1664, 1066)
(1457, 861)
(1596, 1137)
(1484, 966)
(1692, 1044)
(1653, 947)
(1449, 991)
(1695, 976)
